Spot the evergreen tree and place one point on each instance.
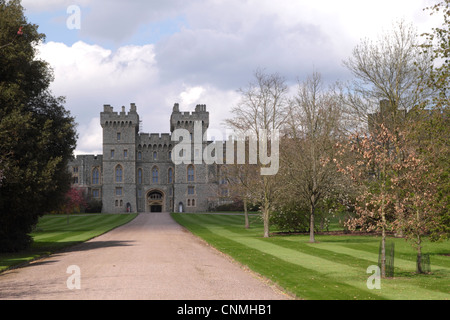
(37, 134)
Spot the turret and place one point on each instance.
(186, 120)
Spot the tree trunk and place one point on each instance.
(266, 222)
(383, 252)
(383, 228)
(419, 255)
(311, 224)
(247, 224)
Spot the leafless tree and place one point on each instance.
(314, 126)
(392, 68)
(263, 108)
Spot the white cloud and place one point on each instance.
(90, 134)
(214, 53)
(90, 76)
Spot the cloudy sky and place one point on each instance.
(160, 52)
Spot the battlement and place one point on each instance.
(154, 139)
(187, 119)
(110, 118)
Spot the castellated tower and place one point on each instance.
(195, 182)
(137, 171)
(119, 159)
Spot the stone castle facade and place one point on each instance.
(136, 172)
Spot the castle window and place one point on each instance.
(119, 173)
(170, 155)
(170, 175)
(118, 136)
(155, 155)
(190, 173)
(155, 175)
(191, 190)
(95, 193)
(139, 155)
(119, 192)
(75, 169)
(125, 153)
(140, 176)
(95, 176)
(112, 154)
(191, 202)
(223, 176)
(75, 180)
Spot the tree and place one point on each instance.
(374, 165)
(37, 135)
(314, 127)
(239, 177)
(429, 127)
(417, 212)
(391, 69)
(74, 202)
(261, 114)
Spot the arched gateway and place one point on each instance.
(155, 201)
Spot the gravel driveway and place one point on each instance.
(150, 258)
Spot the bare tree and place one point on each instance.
(262, 111)
(393, 68)
(314, 126)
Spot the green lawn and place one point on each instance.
(333, 268)
(53, 233)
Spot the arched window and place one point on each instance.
(95, 176)
(155, 175)
(190, 173)
(170, 175)
(119, 173)
(139, 176)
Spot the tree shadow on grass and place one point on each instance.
(14, 261)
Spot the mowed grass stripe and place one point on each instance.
(264, 258)
(363, 259)
(73, 231)
(53, 233)
(333, 271)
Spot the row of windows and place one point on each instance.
(139, 154)
(191, 202)
(95, 176)
(119, 174)
(155, 174)
(119, 192)
(140, 175)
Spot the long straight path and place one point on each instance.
(151, 258)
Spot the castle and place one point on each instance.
(136, 172)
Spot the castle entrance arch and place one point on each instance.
(155, 201)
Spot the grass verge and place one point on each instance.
(54, 233)
(333, 268)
